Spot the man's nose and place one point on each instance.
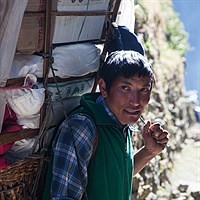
(134, 98)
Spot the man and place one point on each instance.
(93, 154)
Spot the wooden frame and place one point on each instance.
(110, 14)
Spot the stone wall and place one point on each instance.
(155, 25)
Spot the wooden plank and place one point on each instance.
(16, 136)
(81, 13)
(72, 13)
(15, 82)
(116, 9)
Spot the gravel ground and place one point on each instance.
(185, 175)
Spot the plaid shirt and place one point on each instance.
(73, 148)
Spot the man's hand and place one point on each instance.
(155, 138)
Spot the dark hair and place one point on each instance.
(124, 64)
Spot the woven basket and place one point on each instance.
(17, 180)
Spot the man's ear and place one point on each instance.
(102, 88)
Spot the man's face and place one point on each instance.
(127, 97)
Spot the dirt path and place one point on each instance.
(185, 175)
(186, 170)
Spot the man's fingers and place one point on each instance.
(155, 127)
(162, 141)
(160, 134)
(146, 127)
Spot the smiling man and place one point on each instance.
(93, 154)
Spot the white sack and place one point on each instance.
(26, 103)
(57, 113)
(70, 93)
(69, 61)
(26, 64)
(20, 150)
(76, 60)
(71, 88)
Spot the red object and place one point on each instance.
(3, 163)
(9, 125)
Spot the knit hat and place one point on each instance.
(123, 39)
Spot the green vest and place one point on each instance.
(110, 170)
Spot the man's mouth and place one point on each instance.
(132, 112)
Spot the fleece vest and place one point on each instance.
(110, 169)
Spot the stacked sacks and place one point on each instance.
(22, 111)
(73, 60)
(74, 64)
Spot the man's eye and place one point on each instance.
(145, 90)
(125, 87)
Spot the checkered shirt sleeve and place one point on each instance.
(72, 152)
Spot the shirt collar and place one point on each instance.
(101, 101)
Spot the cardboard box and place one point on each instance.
(35, 5)
(79, 28)
(67, 5)
(65, 29)
(82, 5)
(31, 37)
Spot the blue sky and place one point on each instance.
(189, 14)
